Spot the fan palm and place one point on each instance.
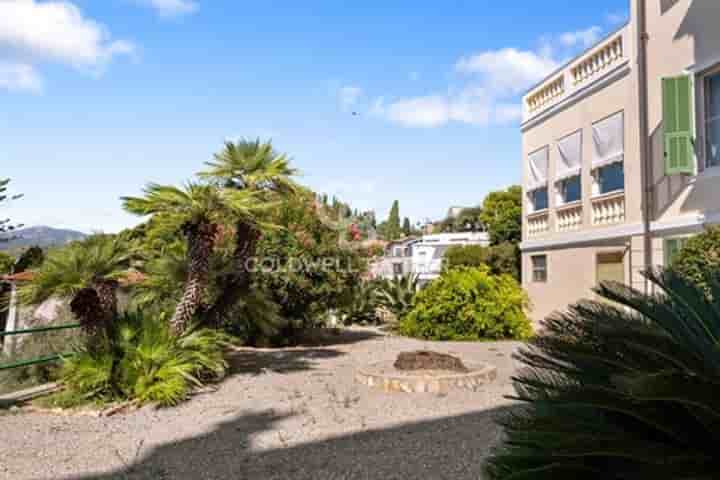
(623, 390)
(87, 273)
(248, 166)
(397, 294)
(197, 211)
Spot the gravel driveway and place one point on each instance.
(289, 414)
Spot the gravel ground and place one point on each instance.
(288, 414)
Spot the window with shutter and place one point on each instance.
(678, 112)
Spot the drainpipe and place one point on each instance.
(646, 160)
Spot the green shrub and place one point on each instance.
(502, 259)
(361, 304)
(621, 390)
(699, 260)
(397, 295)
(469, 304)
(144, 362)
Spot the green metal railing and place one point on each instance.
(39, 360)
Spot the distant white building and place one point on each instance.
(429, 252)
(424, 256)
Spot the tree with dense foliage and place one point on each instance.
(699, 259)
(406, 228)
(392, 229)
(501, 259)
(469, 304)
(6, 263)
(468, 220)
(197, 211)
(619, 389)
(6, 225)
(30, 259)
(257, 169)
(502, 215)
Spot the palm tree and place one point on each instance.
(620, 390)
(246, 166)
(198, 210)
(87, 273)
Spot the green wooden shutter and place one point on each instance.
(678, 115)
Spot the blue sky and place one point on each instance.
(101, 96)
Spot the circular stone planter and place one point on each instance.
(384, 376)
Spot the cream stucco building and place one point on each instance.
(621, 153)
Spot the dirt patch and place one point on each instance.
(427, 360)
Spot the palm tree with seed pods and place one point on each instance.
(197, 211)
(255, 167)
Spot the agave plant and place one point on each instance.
(620, 390)
(362, 304)
(397, 294)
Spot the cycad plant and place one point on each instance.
(397, 294)
(148, 365)
(85, 272)
(621, 390)
(197, 211)
(256, 168)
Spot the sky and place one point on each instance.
(99, 97)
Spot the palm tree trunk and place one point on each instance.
(236, 284)
(201, 239)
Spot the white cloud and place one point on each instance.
(508, 69)
(172, 8)
(584, 38)
(491, 84)
(57, 31)
(19, 77)
(616, 18)
(348, 96)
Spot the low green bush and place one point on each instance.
(469, 304)
(144, 362)
(699, 260)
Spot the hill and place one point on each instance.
(41, 236)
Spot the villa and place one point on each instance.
(621, 153)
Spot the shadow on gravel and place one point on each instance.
(449, 448)
(256, 362)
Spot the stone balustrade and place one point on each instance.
(538, 224)
(546, 94)
(608, 209)
(599, 60)
(569, 217)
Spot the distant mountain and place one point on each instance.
(41, 236)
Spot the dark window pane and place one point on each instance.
(539, 268)
(540, 199)
(714, 96)
(612, 178)
(713, 148)
(572, 189)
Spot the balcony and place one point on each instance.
(592, 66)
(569, 217)
(538, 223)
(608, 209)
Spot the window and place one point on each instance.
(571, 189)
(673, 246)
(609, 155)
(398, 252)
(568, 180)
(537, 185)
(408, 251)
(539, 199)
(611, 178)
(678, 101)
(539, 268)
(712, 121)
(397, 269)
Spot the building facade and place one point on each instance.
(621, 153)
